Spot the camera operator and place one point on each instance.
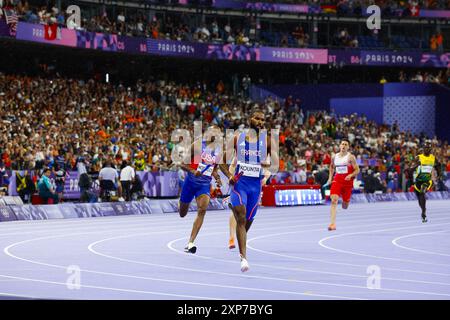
(108, 178)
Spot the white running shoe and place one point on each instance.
(244, 264)
(191, 248)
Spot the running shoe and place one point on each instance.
(331, 227)
(190, 248)
(424, 219)
(231, 244)
(244, 264)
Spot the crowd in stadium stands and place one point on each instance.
(181, 27)
(61, 122)
(440, 77)
(346, 6)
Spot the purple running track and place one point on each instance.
(291, 254)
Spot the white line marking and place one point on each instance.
(395, 243)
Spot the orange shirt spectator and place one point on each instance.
(282, 166)
(312, 120)
(433, 43)
(102, 134)
(155, 33)
(220, 87)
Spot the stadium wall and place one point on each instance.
(416, 107)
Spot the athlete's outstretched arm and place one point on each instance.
(414, 165)
(355, 168)
(437, 167)
(187, 160)
(331, 173)
(273, 159)
(216, 176)
(224, 167)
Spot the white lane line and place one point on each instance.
(97, 222)
(165, 266)
(170, 245)
(7, 251)
(103, 221)
(395, 243)
(328, 261)
(308, 294)
(91, 248)
(16, 295)
(110, 288)
(322, 241)
(209, 221)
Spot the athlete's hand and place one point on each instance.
(348, 178)
(196, 173)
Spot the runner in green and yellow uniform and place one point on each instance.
(423, 182)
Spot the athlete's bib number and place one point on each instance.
(426, 169)
(205, 170)
(249, 170)
(341, 169)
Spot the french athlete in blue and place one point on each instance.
(246, 181)
(197, 185)
(247, 190)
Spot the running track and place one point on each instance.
(291, 256)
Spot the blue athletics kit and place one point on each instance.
(247, 190)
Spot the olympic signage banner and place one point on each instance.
(388, 58)
(88, 210)
(434, 13)
(155, 184)
(36, 33)
(435, 60)
(260, 6)
(235, 52)
(183, 49)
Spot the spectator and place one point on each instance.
(45, 187)
(127, 176)
(108, 178)
(300, 175)
(25, 186)
(60, 179)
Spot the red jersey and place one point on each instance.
(343, 168)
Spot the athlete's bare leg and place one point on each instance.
(233, 224)
(333, 209)
(422, 202)
(183, 208)
(241, 228)
(202, 205)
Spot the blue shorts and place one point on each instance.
(192, 188)
(59, 188)
(247, 192)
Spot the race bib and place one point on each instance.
(205, 169)
(249, 170)
(426, 169)
(341, 169)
